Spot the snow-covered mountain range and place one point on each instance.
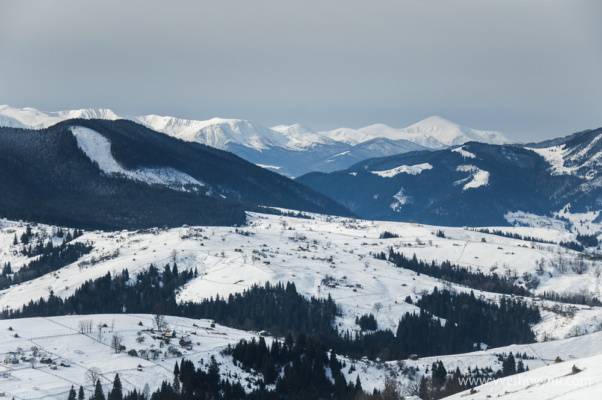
(433, 132)
(288, 149)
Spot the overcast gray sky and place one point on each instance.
(530, 68)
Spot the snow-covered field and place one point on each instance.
(322, 255)
(569, 380)
(40, 358)
(69, 354)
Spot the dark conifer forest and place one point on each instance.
(454, 273)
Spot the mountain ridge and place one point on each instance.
(291, 150)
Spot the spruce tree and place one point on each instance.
(117, 392)
(358, 383)
(72, 394)
(98, 393)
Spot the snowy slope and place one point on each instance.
(477, 178)
(60, 339)
(98, 150)
(73, 353)
(581, 155)
(558, 381)
(404, 169)
(322, 255)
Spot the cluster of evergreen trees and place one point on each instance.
(477, 320)
(577, 246)
(50, 259)
(296, 367)
(512, 235)
(31, 249)
(151, 291)
(302, 357)
(304, 377)
(572, 245)
(588, 240)
(116, 392)
(470, 321)
(572, 298)
(455, 273)
(388, 235)
(367, 322)
(278, 308)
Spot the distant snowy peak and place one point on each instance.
(382, 130)
(451, 134)
(294, 129)
(216, 132)
(300, 136)
(348, 135)
(433, 132)
(35, 119)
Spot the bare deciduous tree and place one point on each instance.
(85, 326)
(92, 375)
(159, 321)
(116, 342)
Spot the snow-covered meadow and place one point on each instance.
(322, 255)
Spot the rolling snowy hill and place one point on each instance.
(336, 248)
(323, 255)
